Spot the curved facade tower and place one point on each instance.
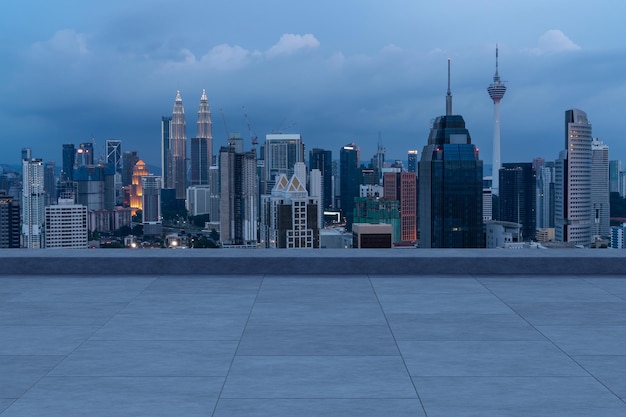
(496, 91)
(177, 177)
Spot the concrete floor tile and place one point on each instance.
(442, 303)
(587, 340)
(5, 403)
(305, 340)
(517, 397)
(159, 303)
(459, 326)
(164, 326)
(572, 313)
(42, 340)
(19, 373)
(554, 289)
(318, 377)
(609, 370)
(316, 289)
(612, 284)
(493, 358)
(149, 358)
(335, 313)
(427, 285)
(57, 313)
(120, 397)
(201, 284)
(318, 407)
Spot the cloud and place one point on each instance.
(554, 41)
(290, 43)
(66, 42)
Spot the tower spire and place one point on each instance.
(449, 94)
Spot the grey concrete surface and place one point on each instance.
(303, 345)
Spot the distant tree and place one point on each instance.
(138, 217)
(214, 235)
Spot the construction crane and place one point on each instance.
(253, 138)
(225, 125)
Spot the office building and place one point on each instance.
(69, 158)
(165, 152)
(496, 92)
(615, 167)
(573, 209)
(402, 186)
(518, 197)
(321, 159)
(66, 225)
(136, 190)
(545, 196)
(84, 155)
(450, 185)
(151, 205)
(412, 160)
(128, 163)
(114, 155)
(33, 203)
(198, 200)
(177, 153)
(239, 200)
(617, 236)
(600, 196)
(50, 183)
(349, 180)
(281, 152)
(9, 221)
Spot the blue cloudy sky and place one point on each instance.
(334, 71)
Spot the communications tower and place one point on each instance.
(496, 91)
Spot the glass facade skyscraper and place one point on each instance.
(518, 196)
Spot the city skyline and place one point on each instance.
(341, 77)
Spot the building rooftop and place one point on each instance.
(299, 342)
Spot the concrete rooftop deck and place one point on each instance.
(312, 345)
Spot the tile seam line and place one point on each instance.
(232, 361)
(552, 342)
(395, 341)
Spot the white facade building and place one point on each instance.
(66, 225)
(33, 200)
(600, 196)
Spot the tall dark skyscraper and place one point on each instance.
(165, 152)
(69, 156)
(129, 161)
(50, 183)
(412, 156)
(349, 180)
(450, 185)
(322, 159)
(518, 197)
(9, 221)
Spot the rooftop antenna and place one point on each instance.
(449, 94)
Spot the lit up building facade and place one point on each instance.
(136, 191)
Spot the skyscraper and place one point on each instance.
(136, 190)
(202, 144)
(322, 159)
(66, 225)
(130, 159)
(84, 155)
(545, 196)
(165, 153)
(518, 196)
(401, 186)
(151, 204)
(573, 182)
(412, 159)
(69, 158)
(114, 154)
(33, 203)
(600, 197)
(615, 167)
(282, 151)
(496, 91)
(450, 185)
(9, 221)
(349, 180)
(50, 183)
(239, 200)
(177, 163)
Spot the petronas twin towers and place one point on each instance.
(174, 147)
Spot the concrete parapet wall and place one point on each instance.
(312, 262)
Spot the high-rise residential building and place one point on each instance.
(412, 160)
(50, 182)
(239, 200)
(290, 214)
(572, 185)
(202, 144)
(69, 159)
(177, 161)
(496, 91)
(546, 196)
(165, 151)
(615, 167)
(33, 203)
(349, 180)
(617, 236)
(9, 221)
(322, 159)
(402, 186)
(151, 205)
(600, 196)
(281, 152)
(518, 197)
(450, 185)
(129, 161)
(136, 191)
(66, 225)
(84, 155)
